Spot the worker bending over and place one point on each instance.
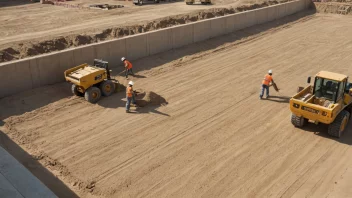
(267, 81)
(129, 96)
(128, 67)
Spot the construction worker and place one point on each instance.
(129, 96)
(267, 81)
(128, 67)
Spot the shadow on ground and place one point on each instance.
(8, 3)
(45, 176)
(322, 130)
(279, 99)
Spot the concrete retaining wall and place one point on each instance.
(25, 74)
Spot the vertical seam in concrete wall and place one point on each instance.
(30, 71)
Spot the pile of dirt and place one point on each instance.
(149, 98)
(333, 7)
(22, 50)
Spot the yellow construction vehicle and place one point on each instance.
(204, 2)
(328, 101)
(91, 81)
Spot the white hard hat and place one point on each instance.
(131, 83)
(270, 71)
(123, 58)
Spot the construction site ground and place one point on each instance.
(214, 138)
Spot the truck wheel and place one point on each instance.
(140, 2)
(107, 88)
(75, 90)
(298, 121)
(337, 127)
(156, 1)
(135, 3)
(92, 94)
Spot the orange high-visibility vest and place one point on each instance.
(129, 91)
(129, 64)
(267, 80)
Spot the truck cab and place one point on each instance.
(324, 102)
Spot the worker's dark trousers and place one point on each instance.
(128, 71)
(129, 101)
(264, 87)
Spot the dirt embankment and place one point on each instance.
(28, 49)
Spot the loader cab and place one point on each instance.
(330, 86)
(102, 64)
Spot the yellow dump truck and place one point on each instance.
(328, 101)
(91, 81)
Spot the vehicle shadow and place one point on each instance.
(279, 99)
(322, 130)
(33, 165)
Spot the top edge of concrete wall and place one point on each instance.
(140, 34)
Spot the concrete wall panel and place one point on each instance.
(136, 47)
(35, 74)
(159, 41)
(231, 23)
(201, 30)
(67, 60)
(84, 54)
(218, 27)
(49, 69)
(182, 35)
(281, 10)
(117, 50)
(7, 75)
(272, 13)
(249, 19)
(102, 51)
(261, 15)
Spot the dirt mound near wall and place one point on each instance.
(22, 50)
(145, 98)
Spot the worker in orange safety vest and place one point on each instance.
(130, 96)
(267, 81)
(128, 67)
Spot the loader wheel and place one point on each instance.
(92, 94)
(337, 127)
(107, 88)
(75, 90)
(298, 121)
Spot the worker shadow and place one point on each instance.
(152, 109)
(279, 99)
(322, 131)
(36, 168)
(139, 76)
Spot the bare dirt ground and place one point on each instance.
(32, 29)
(214, 138)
